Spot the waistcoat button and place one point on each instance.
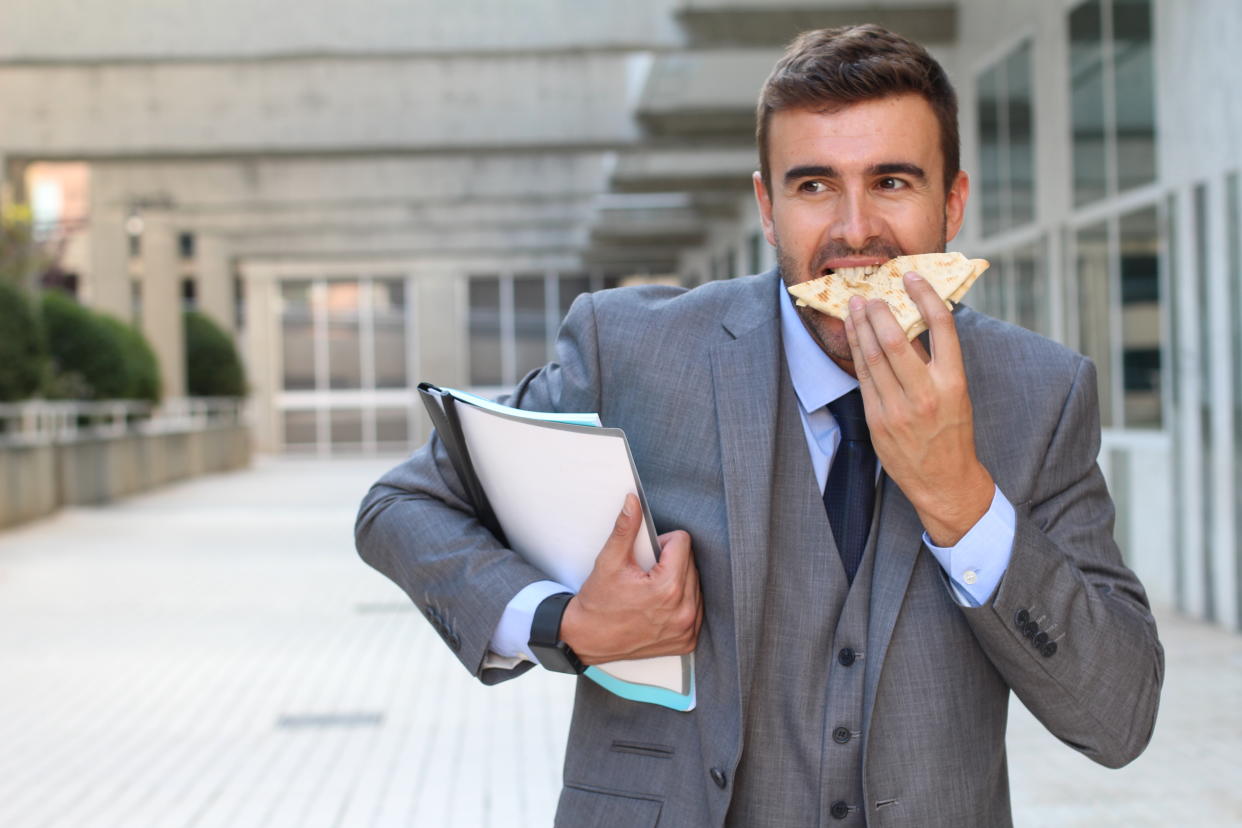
(718, 776)
(841, 735)
(839, 809)
(845, 657)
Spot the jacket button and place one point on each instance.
(1020, 618)
(1049, 649)
(1040, 640)
(839, 809)
(846, 657)
(841, 735)
(718, 776)
(1030, 629)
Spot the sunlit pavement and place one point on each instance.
(215, 654)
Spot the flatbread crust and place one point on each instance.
(950, 274)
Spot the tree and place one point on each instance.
(21, 258)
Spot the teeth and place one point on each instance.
(853, 274)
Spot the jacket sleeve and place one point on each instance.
(1069, 626)
(417, 527)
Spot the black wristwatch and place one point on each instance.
(545, 636)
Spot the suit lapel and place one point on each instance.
(746, 374)
(898, 545)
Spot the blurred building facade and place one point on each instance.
(373, 195)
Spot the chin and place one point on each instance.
(829, 333)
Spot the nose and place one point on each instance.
(857, 223)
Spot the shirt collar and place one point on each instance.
(817, 380)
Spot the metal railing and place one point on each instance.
(43, 422)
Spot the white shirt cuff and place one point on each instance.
(508, 645)
(976, 564)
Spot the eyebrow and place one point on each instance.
(887, 168)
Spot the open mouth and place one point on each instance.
(851, 273)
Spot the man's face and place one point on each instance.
(852, 188)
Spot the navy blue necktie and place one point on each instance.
(849, 494)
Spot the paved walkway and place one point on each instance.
(215, 654)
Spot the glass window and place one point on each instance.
(388, 308)
(1094, 321)
(1030, 277)
(297, 335)
(991, 186)
(343, 306)
(300, 428)
(346, 427)
(530, 323)
(1006, 153)
(1140, 318)
(392, 427)
(755, 249)
(484, 328)
(1086, 27)
(570, 288)
(1134, 86)
(1020, 150)
(1114, 133)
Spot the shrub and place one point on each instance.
(22, 354)
(213, 368)
(95, 356)
(143, 367)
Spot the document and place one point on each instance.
(549, 486)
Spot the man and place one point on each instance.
(868, 542)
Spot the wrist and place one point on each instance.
(948, 521)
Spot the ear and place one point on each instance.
(955, 205)
(765, 208)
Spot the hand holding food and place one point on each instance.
(950, 274)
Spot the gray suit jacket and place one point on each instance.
(692, 377)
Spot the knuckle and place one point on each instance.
(874, 356)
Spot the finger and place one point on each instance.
(619, 547)
(674, 555)
(878, 369)
(907, 367)
(945, 348)
(871, 399)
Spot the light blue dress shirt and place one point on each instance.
(973, 567)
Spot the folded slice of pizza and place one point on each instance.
(950, 274)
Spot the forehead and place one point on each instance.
(897, 128)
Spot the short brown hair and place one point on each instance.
(828, 69)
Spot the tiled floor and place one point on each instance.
(215, 654)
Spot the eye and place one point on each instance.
(890, 183)
(812, 187)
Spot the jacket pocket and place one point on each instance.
(642, 749)
(583, 807)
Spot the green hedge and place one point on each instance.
(95, 356)
(212, 366)
(22, 352)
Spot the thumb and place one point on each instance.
(619, 548)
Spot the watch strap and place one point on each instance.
(545, 635)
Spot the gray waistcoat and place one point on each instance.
(803, 727)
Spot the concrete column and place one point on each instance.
(260, 349)
(161, 304)
(105, 286)
(215, 280)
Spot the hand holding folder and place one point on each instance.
(548, 485)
